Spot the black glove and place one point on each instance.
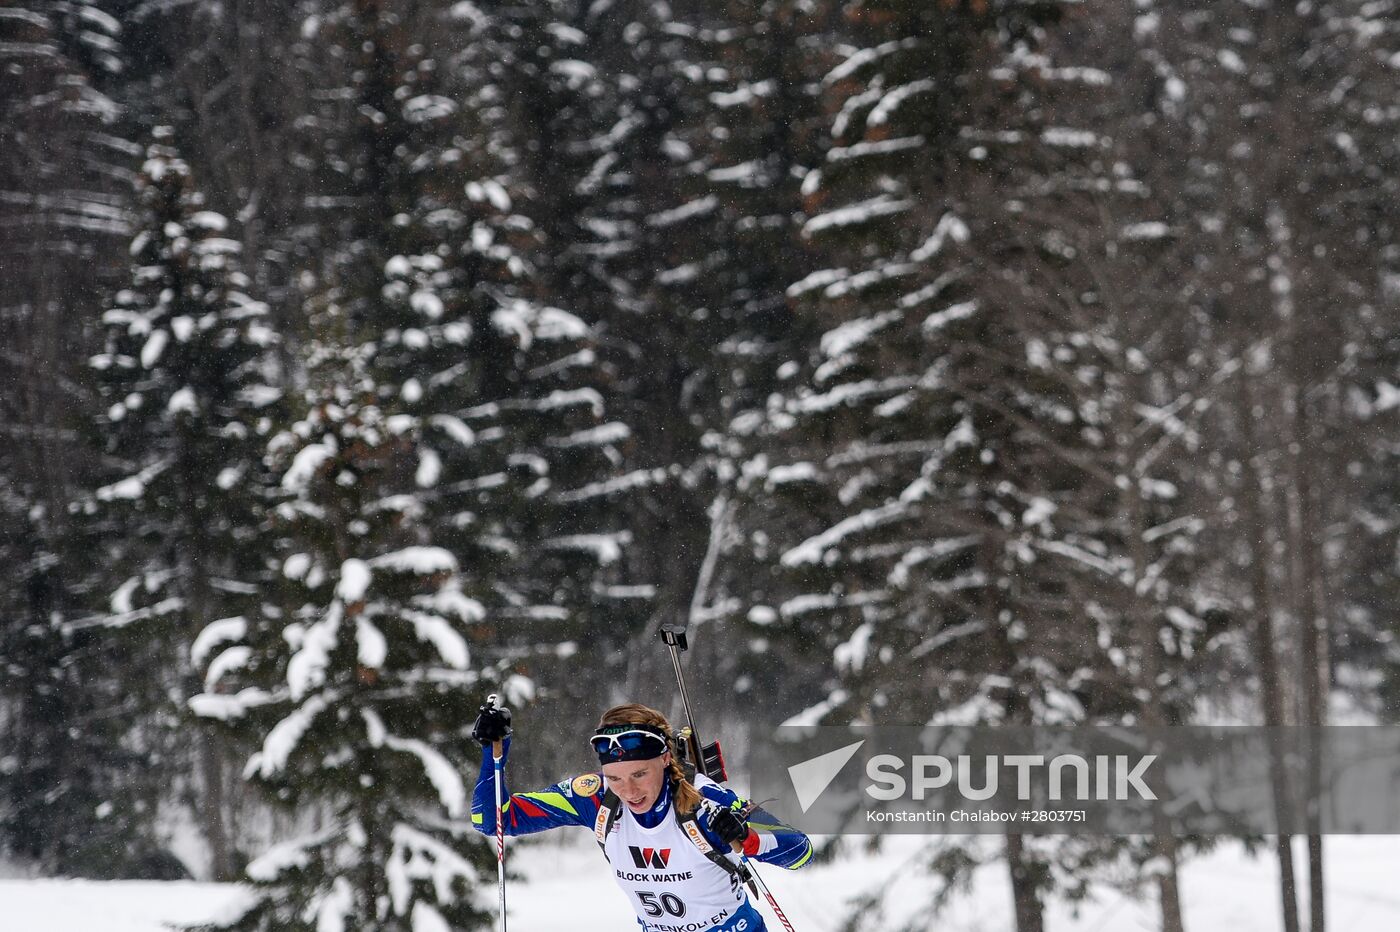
(492, 725)
(728, 826)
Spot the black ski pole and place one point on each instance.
(674, 637)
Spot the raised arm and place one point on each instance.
(768, 839)
(574, 801)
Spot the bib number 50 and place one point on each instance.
(661, 905)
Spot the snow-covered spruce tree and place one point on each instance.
(75, 800)
(76, 797)
(661, 224)
(546, 101)
(941, 471)
(183, 383)
(430, 539)
(753, 124)
(645, 237)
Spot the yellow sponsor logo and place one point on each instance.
(587, 785)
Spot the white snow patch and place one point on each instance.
(427, 919)
(896, 96)
(950, 226)
(419, 856)
(639, 478)
(867, 149)
(132, 487)
(841, 340)
(296, 565)
(1070, 138)
(605, 548)
(1040, 509)
(443, 776)
(614, 432)
(155, 346)
(335, 908)
(762, 615)
(284, 737)
(427, 107)
(427, 304)
(182, 400)
(881, 205)
(939, 319)
(745, 173)
(370, 645)
(454, 428)
(812, 549)
(859, 59)
(452, 602)
(429, 469)
(121, 599)
(227, 708)
(307, 463)
(848, 393)
(791, 472)
(355, 577)
(235, 658)
(1147, 230)
(695, 208)
(575, 73)
(850, 655)
(307, 668)
(743, 94)
(818, 279)
(518, 689)
(869, 278)
(421, 561)
(815, 714)
(280, 858)
(449, 644)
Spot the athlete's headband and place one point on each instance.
(629, 742)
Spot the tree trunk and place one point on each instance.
(214, 810)
(1262, 639)
(1025, 886)
(1312, 652)
(1303, 535)
(1164, 846)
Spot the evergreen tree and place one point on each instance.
(77, 794)
(184, 380)
(944, 494)
(430, 539)
(65, 780)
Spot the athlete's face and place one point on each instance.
(637, 782)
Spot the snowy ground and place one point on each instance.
(569, 889)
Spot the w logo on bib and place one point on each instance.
(655, 858)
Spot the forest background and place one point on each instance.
(978, 361)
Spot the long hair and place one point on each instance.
(684, 795)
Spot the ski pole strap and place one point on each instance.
(691, 826)
(607, 818)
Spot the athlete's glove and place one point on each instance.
(728, 825)
(492, 725)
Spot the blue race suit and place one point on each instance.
(684, 876)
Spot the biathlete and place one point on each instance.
(666, 837)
